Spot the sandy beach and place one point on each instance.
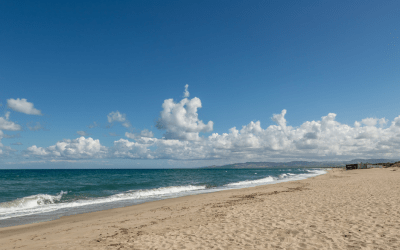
(357, 209)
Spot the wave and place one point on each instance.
(31, 201)
(42, 203)
(281, 178)
(252, 182)
(157, 192)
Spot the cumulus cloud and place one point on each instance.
(23, 106)
(82, 133)
(180, 120)
(5, 124)
(370, 121)
(323, 139)
(146, 133)
(79, 148)
(280, 120)
(186, 93)
(383, 121)
(118, 117)
(396, 122)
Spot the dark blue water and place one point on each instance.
(28, 196)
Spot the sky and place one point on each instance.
(165, 84)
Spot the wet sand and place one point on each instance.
(357, 209)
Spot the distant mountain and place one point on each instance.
(298, 164)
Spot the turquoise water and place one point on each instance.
(28, 196)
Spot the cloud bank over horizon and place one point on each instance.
(324, 139)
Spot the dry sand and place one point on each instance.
(357, 209)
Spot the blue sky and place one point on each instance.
(77, 62)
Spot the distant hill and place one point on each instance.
(372, 161)
(298, 164)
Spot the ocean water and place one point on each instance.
(29, 196)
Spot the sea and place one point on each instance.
(30, 196)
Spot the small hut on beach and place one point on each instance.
(361, 165)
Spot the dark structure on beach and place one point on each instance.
(368, 165)
(362, 166)
(351, 166)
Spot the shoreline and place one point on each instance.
(126, 199)
(310, 213)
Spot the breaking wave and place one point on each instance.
(281, 178)
(252, 182)
(42, 203)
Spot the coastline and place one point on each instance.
(340, 209)
(52, 201)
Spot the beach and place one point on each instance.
(356, 209)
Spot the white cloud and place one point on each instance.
(23, 106)
(370, 121)
(186, 93)
(280, 120)
(383, 121)
(5, 124)
(82, 133)
(71, 149)
(396, 122)
(323, 139)
(180, 120)
(118, 117)
(131, 135)
(146, 133)
(127, 149)
(37, 151)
